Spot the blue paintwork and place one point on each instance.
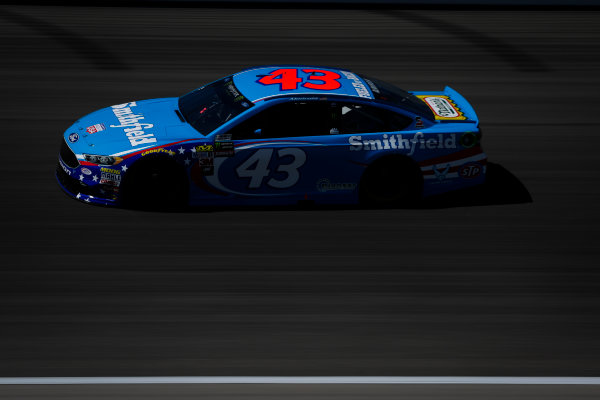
(325, 169)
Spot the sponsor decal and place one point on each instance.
(325, 185)
(198, 171)
(223, 136)
(129, 121)
(108, 181)
(95, 128)
(224, 149)
(110, 171)
(373, 87)
(64, 167)
(419, 123)
(235, 94)
(440, 174)
(470, 170)
(157, 151)
(443, 107)
(400, 142)
(86, 171)
(206, 161)
(204, 147)
(223, 146)
(73, 137)
(358, 85)
(233, 91)
(304, 98)
(110, 176)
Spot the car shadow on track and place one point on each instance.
(501, 187)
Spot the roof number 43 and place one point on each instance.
(288, 79)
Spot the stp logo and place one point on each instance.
(470, 170)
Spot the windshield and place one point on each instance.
(211, 106)
(389, 93)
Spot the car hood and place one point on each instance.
(129, 127)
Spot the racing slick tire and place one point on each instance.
(391, 181)
(155, 184)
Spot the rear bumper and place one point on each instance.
(455, 171)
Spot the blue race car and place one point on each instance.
(275, 135)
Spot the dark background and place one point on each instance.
(481, 283)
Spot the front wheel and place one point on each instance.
(391, 181)
(156, 185)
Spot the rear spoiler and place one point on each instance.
(449, 106)
(462, 103)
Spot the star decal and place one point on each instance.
(171, 153)
(95, 178)
(193, 149)
(124, 168)
(187, 161)
(181, 150)
(78, 195)
(80, 177)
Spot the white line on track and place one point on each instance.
(318, 380)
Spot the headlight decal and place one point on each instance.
(102, 160)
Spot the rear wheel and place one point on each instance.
(157, 184)
(391, 181)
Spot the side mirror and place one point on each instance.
(258, 132)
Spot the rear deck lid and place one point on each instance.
(448, 106)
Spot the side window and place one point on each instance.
(247, 128)
(290, 119)
(359, 118)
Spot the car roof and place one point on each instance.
(254, 83)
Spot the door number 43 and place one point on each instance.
(256, 167)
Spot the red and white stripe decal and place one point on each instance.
(454, 157)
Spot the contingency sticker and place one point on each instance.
(224, 146)
(95, 128)
(206, 160)
(443, 107)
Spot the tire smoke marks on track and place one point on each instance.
(86, 48)
(507, 52)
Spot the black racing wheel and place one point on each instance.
(391, 181)
(155, 184)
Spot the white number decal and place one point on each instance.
(290, 169)
(261, 158)
(256, 168)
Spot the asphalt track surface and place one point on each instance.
(500, 281)
(302, 392)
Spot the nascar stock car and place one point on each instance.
(275, 135)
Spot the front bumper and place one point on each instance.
(88, 194)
